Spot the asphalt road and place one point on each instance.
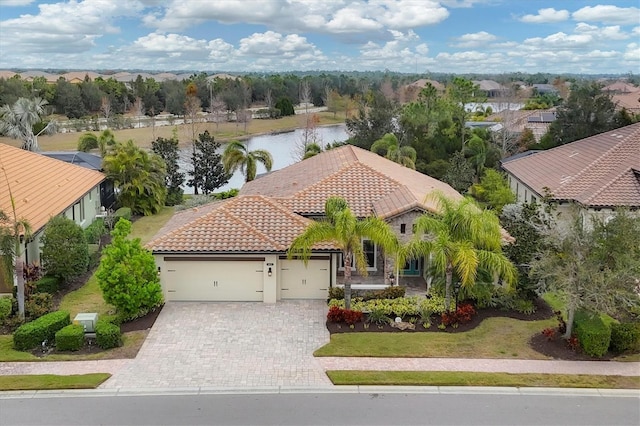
(322, 409)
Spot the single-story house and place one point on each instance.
(599, 173)
(236, 249)
(42, 188)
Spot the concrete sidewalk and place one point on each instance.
(64, 367)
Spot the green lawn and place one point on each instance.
(51, 381)
(460, 378)
(493, 338)
(147, 226)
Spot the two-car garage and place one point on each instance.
(246, 279)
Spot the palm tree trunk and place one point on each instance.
(571, 312)
(447, 288)
(347, 280)
(19, 271)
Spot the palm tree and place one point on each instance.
(389, 147)
(17, 121)
(477, 150)
(460, 240)
(139, 177)
(89, 141)
(237, 156)
(346, 231)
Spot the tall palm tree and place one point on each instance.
(476, 151)
(389, 146)
(17, 121)
(237, 156)
(346, 231)
(460, 240)
(103, 142)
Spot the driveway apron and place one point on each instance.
(230, 345)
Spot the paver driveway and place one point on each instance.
(230, 345)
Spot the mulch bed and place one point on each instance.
(557, 348)
(142, 323)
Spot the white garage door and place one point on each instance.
(300, 282)
(214, 280)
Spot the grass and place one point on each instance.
(222, 132)
(493, 338)
(147, 226)
(463, 378)
(132, 343)
(87, 298)
(51, 381)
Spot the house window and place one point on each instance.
(82, 210)
(90, 194)
(533, 199)
(526, 195)
(370, 254)
(403, 228)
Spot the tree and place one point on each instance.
(65, 252)
(104, 142)
(462, 91)
(460, 173)
(494, 190)
(208, 172)
(285, 106)
(461, 239)
(139, 177)
(389, 147)
(167, 149)
(476, 151)
(12, 230)
(18, 121)
(127, 275)
(192, 108)
(68, 99)
(588, 111)
(594, 267)
(237, 156)
(375, 119)
(343, 229)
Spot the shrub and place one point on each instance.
(387, 293)
(95, 231)
(624, 337)
(549, 333)
(462, 315)
(127, 275)
(108, 335)
(70, 338)
(65, 253)
(94, 255)
(524, 306)
(47, 284)
(38, 304)
(335, 314)
(378, 316)
(592, 332)
(32, 334)
(6, 305)
(351, 316)
(336, 293)
(122, 213)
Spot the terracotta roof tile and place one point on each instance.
(251, 223)
(600, 170)
(42, 187)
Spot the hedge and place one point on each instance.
(95, 231)
(70, 338)
(122, 212)
(5, 307)
(593, 334)
(32, 334)
(624, 336)
(48, 284)
(108, 335)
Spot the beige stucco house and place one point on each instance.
(235, 249)
(597, 174)
(44, 187)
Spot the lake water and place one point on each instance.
(282, 147)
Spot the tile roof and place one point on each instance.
(369, 183)
(244, 224)
(42, 187)
(599, 171)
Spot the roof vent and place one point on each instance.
(573, 154)
(564, 178)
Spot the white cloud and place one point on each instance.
(608, 14)
(271, 43)
(481, 38)
(15, 2)
(632, 54)
(403, 14)
(560, 40)
(352, 20)
(606, 33)
(545, 16)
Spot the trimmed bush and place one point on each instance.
(38, 304)
(32, 334)
(336, 293)
(48, 284)
(5, 307)
(94, 255)
(64, 249)
(95, 231)
(70, 338)
(594, 335)
(624, 337)
(108, 335)
(122, 212)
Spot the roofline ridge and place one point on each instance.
(609, 183)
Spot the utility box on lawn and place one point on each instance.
(87, 320)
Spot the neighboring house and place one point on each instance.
(91, 162)
(515, 122)
(43, 187)
(236, 249)
(491, 89)
(598, 174)
(543, 89)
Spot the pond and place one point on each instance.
(282, 146)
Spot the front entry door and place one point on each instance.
(411, 268)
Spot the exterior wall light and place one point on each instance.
(269, 272)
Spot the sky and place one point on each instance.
(457, 36)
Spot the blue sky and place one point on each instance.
(461, 36)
